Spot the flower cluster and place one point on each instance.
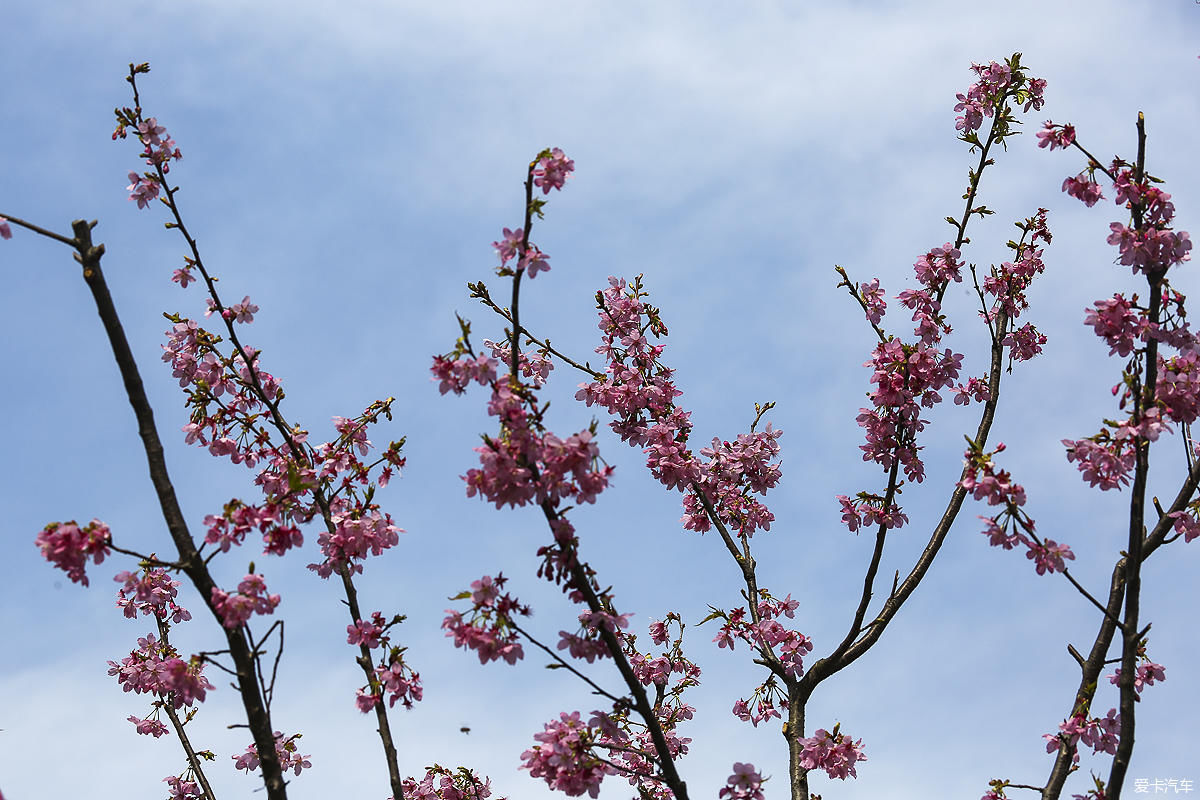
(68, 547)
(563, 757)
(156, 668)
(143, 189)
(984, 97)
(456, 374)
(368, 633)
(763, 631)
(629, 744)
(1105, 461)
(938, 266)
(1083, 187)
(225, 394)
(359, 530)
(908, 377)
(150, 726)
(158, 149)
(285, 748)
(574, 756)
(250, 598)
(549, 170)
(1178, 390)
(1025, 342)
(237, 519)
(1012, 526)
(566, 469)
(392, 674)
(1116, 322)
(774, 644)
(868, 509)
(530, 257)
(552, 169)
(227, 399)
(1102, 734)
(638, 390)
(1009, 282)
(1149, 249)
(238, 312)
(152, 592)
(744, 784)
(441, 783)
(996, 487)
(182, 789)
(1054, 136)
(289, 480)
(975, 389)
(534, 366)
(904, 376)
(730, 474)
(1186, 524)
(587, 645)
(1147, 673)
(489, 630)
(835, 752)
(396, 679)
(872, 296)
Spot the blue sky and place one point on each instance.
(349, 169)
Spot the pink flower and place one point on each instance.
(244, 311)
(366, 701)
(1117, 322)
(1056, 135)
(285, 749)
(564, 759)
(181, 789)
(939, 266)
(1147, 673)
(455, 375)
(1105, 465)
(510, 245)
(251, 598)
(833, 752)
(553, 170)
(152, 592)
(1149, 249)
(489, 630)
(142, 189)
(1084, 189)
(5, 230)
(975, 389)
(534, 260)
(744, 784)
(1186, 524)
(358, 532)
(872, 296)
(183, 277)
(186, 680)
(1049, 556)
(364, 632)
(68, 547)
(1024, 343)
(462, 784)
(401, 681)
(149, 727)
(149, 130)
